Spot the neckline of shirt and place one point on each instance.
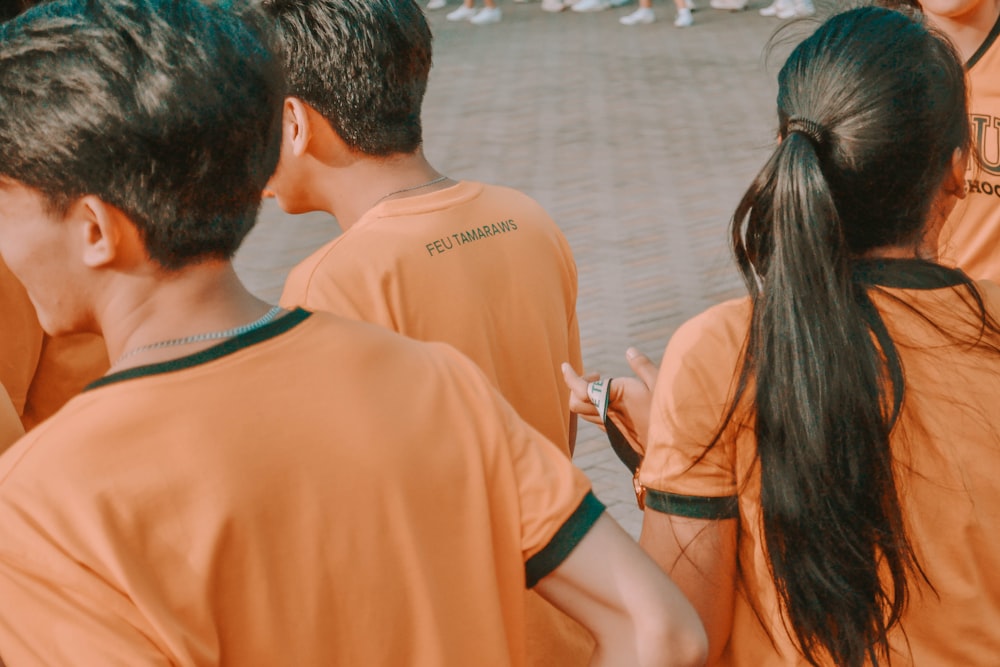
(223, 349)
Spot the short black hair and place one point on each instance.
(11, 8)
(362, 64)
(167, 109)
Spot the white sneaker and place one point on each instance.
(643, 15)
(731, 5)
(796, 9)
(775, 7)
(437, 4)
(486, 16)
(553, 5)
(591, 6)
(463, 13)
(684, 19)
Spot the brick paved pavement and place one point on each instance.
(638, 140)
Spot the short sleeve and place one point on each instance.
(557, 505)
(531, 481)
(62, 613)
(307, 285)
(681, 474)
(345, 279)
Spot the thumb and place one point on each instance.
(645, 369)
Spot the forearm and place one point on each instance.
(677, 641)
(635, 613)
(700, 557)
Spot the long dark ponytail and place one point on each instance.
(871, 110)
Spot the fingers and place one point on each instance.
(579, 400)
(641, 365)
(577, 384)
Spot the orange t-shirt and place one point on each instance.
(480, 267)
(20, 339)
(947, 443)
(971, 236)
(10, 425)
(316, 492)
(40, 372)
(67, 365)
(485, 269)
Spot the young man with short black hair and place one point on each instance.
(480, 267)
(232, 492)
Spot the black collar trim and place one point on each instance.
(907, 274)
(985, 46)
(225, 348)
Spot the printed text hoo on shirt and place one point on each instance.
(447, 243)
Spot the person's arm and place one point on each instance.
(689, 474)
(635, 613)
(629, 399)
(700, 557)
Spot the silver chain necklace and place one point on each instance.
(412, 187)
(198, 338)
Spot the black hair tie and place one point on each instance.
(810, 128)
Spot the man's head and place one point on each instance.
(167, 110)
(362, 64)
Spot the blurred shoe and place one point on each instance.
(643, 15)
(553, 5)
(463, 13)
(486, 16)
(437, 4)
(797, 9)
(591, 5)
(731, 5)
(684, 19)
(775, 7)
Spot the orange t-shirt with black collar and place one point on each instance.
(316, 492)
(947, 444)
(485, 269)
(970, 238)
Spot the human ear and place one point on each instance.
(99, 229)
(296, 127)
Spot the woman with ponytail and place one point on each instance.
(822, 467)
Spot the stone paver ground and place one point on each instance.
(638, 140)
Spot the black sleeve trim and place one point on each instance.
(564, 541)
(692, 507)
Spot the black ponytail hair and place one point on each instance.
(872, 108)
